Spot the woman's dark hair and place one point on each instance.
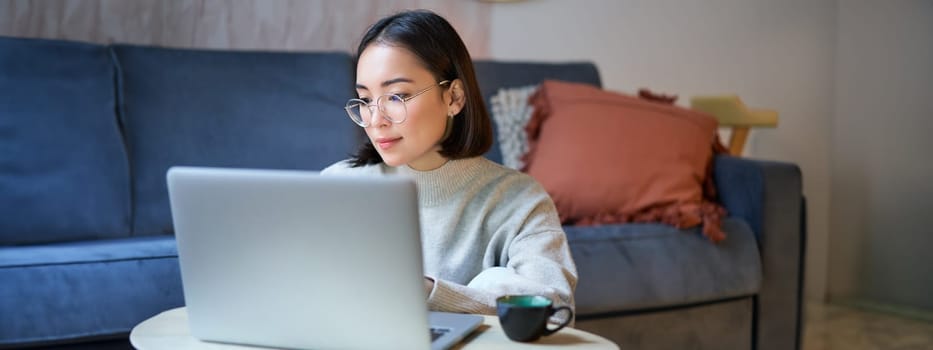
(435, 42)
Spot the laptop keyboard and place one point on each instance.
(438, 332)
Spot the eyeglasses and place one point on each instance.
(392, 107)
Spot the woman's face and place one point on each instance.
(383, 70)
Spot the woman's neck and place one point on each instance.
(430, 161)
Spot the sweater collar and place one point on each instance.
(440, 185)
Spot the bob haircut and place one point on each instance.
(441, 51)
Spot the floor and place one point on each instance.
(832, 327)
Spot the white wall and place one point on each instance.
(774, 54)
(882, 168)
(243, 24)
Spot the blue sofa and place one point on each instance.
(86, 248)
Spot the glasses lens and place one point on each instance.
(394, 108)
(358, 112)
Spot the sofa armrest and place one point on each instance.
(768, 195)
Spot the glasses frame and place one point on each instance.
(378, 103)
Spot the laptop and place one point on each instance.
(293, 259)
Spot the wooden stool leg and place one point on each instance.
(737, 140)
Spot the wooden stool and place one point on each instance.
(730, 111)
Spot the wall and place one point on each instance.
(227, 24)
(774, 54)
(881, 168)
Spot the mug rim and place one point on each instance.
(535, 300)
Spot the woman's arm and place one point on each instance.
(540, 265)
(530, 255)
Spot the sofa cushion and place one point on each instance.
(640, 161)
(510, 113)
(641, 266)
(63, 170)
(228, 109)
(493, 75)
(85, 290)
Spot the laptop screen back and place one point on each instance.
(298, 260)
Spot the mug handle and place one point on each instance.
(550, 331)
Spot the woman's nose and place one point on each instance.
(377, 118)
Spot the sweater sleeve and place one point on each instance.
(538, 268)
(533, 259)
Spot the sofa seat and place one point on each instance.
(85, 290)
(634, 267)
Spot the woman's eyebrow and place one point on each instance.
(396, 81)
(386, 83)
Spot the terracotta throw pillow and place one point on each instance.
(606, 157)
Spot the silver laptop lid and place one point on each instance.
(298, 260)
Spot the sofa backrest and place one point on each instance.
(89, 130)
(64, 175)
(494, 75)
(229, 109)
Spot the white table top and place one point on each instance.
(169, 330)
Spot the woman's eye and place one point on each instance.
(366, 99)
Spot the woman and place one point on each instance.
(487, 230)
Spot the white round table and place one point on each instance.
(169, 330)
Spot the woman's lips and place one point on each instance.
(386, 142)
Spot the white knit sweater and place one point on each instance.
(486, 231)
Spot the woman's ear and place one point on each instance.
(457, 97)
